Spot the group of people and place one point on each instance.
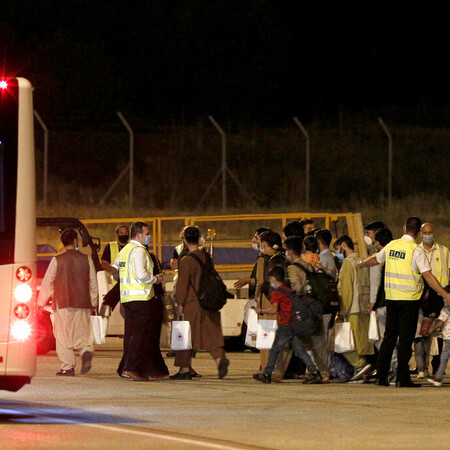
(400, 280)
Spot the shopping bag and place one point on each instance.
(98, 329)
(343, 339)
(434, 348)
(181, 335)
(374, 335)
(251, 319)
(266, 334)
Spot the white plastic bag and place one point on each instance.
(343, 339)
(251, 319)
(266, 334)
(181, 335)
(98, 329)
(374, 335)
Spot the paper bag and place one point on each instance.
(181, 335)
(266, 334)
(374, 335)
(343, 339)
(98, 329)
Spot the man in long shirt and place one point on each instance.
(72, 280)
(136, 294)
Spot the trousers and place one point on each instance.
(72, 330)
(401, 323)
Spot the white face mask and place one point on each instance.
(261, 250)
(367, 240)
(429, 239)
(255, 246)
(201, 241)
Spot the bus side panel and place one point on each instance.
(5, 301)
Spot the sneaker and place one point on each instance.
(86, 359)
(421, 375)
(360, 372)
(392, 379)
(315, 378)
(434, 381)
(181, 376)
(266, 379)
(66, 373)
(223, 368)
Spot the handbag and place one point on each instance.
(374, 335)
(266, 334)
(181, 335)
(343, 339)
(98, 329)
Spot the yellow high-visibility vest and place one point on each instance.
(439, 263)
(114, 250)
(401, 281)
(131, 289)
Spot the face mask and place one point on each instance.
(428, 239)
(367, 240)
(340, 255)
(255, 246)
(201, 241)
(273, 285)
(261, 250)
(123, 239)
(147, 239)
(288, 257)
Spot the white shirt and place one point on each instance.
(445, 317)
(433, 254)
(419, 262)
(140, 263)
(375, 279)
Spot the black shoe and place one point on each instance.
(266, 379)
(194, 374)
(223, 367)
(315, 378)
(382, 383)
(170, 354)
(413, 371)
(66, 373)
(181, 376)
(86, 359)
(258, 376)
(409, 384)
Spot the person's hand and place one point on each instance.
(93, 310)
(258, 310)
(180, 310)
(358, 264)
(159, 278)
(370, 307)
(241, 282)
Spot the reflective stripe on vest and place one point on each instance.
(131, 289)
(114, 250)
(439, 264)
(401, 282)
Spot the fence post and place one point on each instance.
(307, 162)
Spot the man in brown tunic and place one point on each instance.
(206, 329)
(72, 280)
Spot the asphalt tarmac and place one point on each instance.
(100, 410)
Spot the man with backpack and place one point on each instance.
(298, 274)
(206, 329)
(281, 304)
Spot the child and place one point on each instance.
(444, 323)
(281, 304)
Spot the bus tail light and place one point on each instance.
(21, 330)
(23, 274)
(23, 293)
(22, 311)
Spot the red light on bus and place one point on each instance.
(23, 274)
(3, 84)
(22, 311)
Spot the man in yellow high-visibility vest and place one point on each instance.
(406, 268)
(141, 312)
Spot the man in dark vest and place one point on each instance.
(72, 281)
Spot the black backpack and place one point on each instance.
(323, 288)
(213, 293)
(306, 315)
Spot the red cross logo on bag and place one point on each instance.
(265, 335)
(180, 337)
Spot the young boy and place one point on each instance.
(444, 323)
(281, 304)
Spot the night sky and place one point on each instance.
(256, 61)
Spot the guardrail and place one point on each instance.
(233, 231)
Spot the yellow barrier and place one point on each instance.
(163, 234)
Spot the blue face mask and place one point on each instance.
(273, 285)
(340, 255)
(147, 240)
